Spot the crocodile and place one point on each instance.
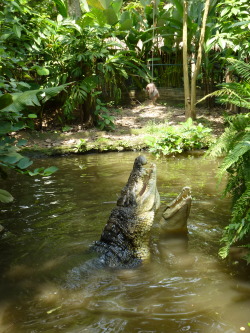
(175, 216)
(124, 240)
(173, 235)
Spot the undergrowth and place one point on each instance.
(166, 139)
(234, 144)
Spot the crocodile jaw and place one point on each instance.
(174, 217)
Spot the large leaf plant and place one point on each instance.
(12, 120)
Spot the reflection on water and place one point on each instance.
(185, 287)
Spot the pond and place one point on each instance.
(54, 219)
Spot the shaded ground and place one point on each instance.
(140, 116)
(130, 129)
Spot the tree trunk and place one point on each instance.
(198, 60)
(74, 9)
(185, 62)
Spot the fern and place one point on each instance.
(238, 125)
(240, 148)
(236, 93)
(234, 144)
(234, 233)
(222, 145)
(240, 122)
(233, 93)
(241, 67)
(242, 207)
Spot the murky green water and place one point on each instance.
(54, 219)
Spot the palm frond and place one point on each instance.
(223, 144)
(239, 122)
(242, 68)
(233, 93)
(241, 206)
(238, 127)
(240, 148)
(237, 230)
(237, 93)
(234, 143)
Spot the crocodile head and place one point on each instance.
(174, 217)
(140, 191)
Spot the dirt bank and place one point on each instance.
(131, 126)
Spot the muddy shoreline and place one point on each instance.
(131, 127)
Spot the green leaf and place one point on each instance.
(42, 71)
(21, 142)
(61, 7)
(24, 163)
(50, 170)
(85, 5)
(66, 128)
(11, 157)
(5, 100)
(126, 22)
(17, 30)
(5, 196)
(95, 4)
(17, 126)
(105, 3)
(111, 16)
(99, 15)
(5, 127)
(239, 24)
(235, 11)
(36, 172)
(23, 84)
(32, 116)
(224, 11)
(117, 5)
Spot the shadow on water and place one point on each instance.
(52, 222)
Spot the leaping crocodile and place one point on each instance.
(124, 242)
(125, 237)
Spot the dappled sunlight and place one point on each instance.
(20, 271)
(48, 294)
(50, 264)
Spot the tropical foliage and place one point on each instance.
(39, 51)
(236, 92)
(112, 47)
(12, 120)
(176, 139)
(234, 144)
